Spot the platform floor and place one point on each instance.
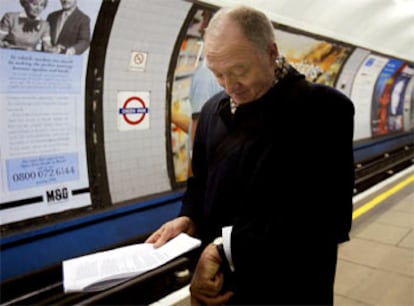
(376, 267)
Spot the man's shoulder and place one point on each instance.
(325, 89)
(215, 101)
(54, 14)
(331, 96)
(80, 14)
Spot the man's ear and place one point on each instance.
(273, 52)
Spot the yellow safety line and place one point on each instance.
(374, 202)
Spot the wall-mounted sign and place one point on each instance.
(138, 61)
(133, 110)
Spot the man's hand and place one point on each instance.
(171, 229)
(208, 280)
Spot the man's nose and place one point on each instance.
(229, 83)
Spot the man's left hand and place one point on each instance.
(208, 279)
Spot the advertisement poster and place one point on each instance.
(320, 61)
(363, 91)
(44, 47)
(409, 102)
(349, 70)
(388, 102)
(182, 108)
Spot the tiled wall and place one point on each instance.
(136, 159)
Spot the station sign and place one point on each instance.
(133, 110)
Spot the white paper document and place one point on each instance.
(105, 269)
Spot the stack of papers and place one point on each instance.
(105, 269)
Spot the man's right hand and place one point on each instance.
(171, 229)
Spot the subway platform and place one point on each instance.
(376, 267)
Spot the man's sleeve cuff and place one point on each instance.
(226, 233)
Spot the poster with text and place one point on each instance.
(43, 61)
(362, 93)
(349, 70)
